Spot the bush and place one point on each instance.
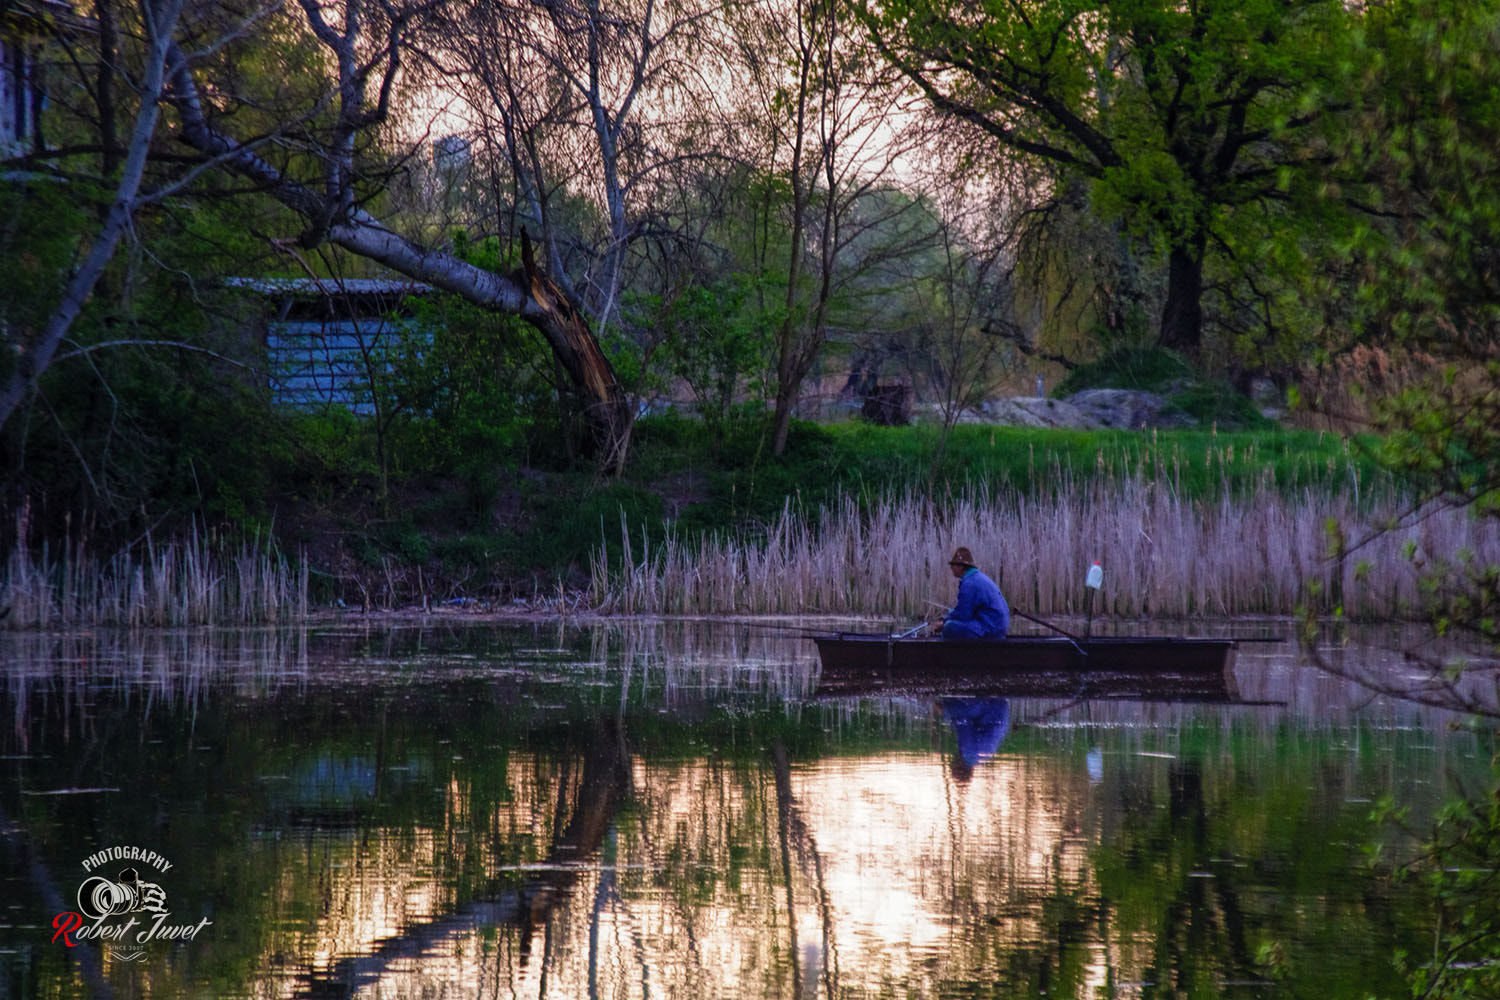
(1219, 405)
(1168, 374)
(1147, 369)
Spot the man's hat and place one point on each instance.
(961, 557)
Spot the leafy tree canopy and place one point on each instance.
(1199, 128)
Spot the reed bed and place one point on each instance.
(197, 580)
(1164, 555)
(154, 669)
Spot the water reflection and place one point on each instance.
(979, 726)
(646, 808)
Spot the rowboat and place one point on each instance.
(846, 650)
(1167, 666)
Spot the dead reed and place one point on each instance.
(1164, 555)
(197, 580)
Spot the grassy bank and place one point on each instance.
(738, 479)
(729, 527)
(860, 519)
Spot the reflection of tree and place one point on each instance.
(586, 809)
(23, 858)
(1202, 917)
(734, 851)
(1239, 879)
(794, 835)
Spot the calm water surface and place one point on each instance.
(641, 810)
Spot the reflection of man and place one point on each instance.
(981, 725)
(980, 611)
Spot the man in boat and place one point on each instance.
(980, 611)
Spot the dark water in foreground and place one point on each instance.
(638, 810)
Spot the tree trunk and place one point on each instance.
(104, 86)
(528, 294)
(1182, 316)
(34, 358)
(605, 407)
(781, 423)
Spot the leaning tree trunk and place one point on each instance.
(604, 405)
(528, 294)
(1182, 316)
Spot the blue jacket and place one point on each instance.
(980, 611)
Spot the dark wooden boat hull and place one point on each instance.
(1146, 666)
(846, 650)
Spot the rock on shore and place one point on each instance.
(1092, 409)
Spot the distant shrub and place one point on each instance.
(1219, 404)
(1148, 369)
(1168, 374)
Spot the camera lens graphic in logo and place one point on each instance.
(99, 897)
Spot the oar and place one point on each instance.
(1058, 629)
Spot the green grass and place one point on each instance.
(520, 532)
(857, 459)
(689, 485)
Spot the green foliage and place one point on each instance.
(1427, 152)
(139, 421)
(1151, 369)
(1460, 866)
(489, 252)
(329, 438)
(715, 342)
(1198, 131)
(1219, 405)
(41, 227)
(1444, 437)
(1149, 194)
(728, 474)
(1169, 374)
(1427, 149)
(466, 392)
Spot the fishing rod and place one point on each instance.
(768, 628)
(764, 627)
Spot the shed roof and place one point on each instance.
(330, 287)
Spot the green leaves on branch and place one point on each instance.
(1460, 864)
(1203, 131)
